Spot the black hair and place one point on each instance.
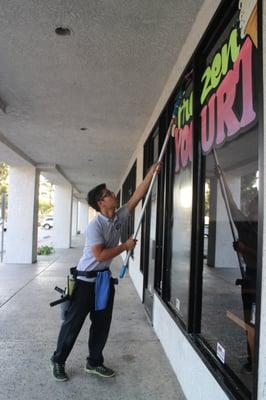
(94, 195)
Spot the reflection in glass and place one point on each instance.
(229, 274)
(181, 231)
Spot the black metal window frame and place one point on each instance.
(148, 158)
(147, 161)
(168, 243)
(128, 188)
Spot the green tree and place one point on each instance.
(4, 172)
(45, 208)
(46, 190)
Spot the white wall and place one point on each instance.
(187, 365)
(63, 215)
(74, 216)
(83, 216)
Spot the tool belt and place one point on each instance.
(87, 274)
(102, 286)
(90, 274)
(66, 293)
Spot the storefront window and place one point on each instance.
(181, 242)
(153, 219)
(182, 201)
(150, 224)
(229, 140)
(210, 231)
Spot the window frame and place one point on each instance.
(128, 188)
(167, 250)
(148, 157)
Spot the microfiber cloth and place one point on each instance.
(102, 290)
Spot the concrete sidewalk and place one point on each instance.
(29, 329)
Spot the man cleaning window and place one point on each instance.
(94, 290)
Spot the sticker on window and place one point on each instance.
(177, 304)
(253, 314)
(220, 352)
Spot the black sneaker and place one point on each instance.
(101, 370)
(58, 370)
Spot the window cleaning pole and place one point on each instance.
(168, 134)
(227, 206)
(178, 100)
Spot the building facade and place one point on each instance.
(200, 265)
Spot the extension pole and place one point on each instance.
(168, 134)
(227, 206)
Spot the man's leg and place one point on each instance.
(99, 330)
(75, 317)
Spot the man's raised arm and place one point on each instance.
(143, 187)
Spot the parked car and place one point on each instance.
(48, 222)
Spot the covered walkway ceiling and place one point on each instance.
(105, 78)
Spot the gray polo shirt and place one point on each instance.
(101, 230)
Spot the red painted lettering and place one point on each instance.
(218, 118)
(227, 122)
(245, 59)
(183, 146)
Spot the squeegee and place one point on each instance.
(163, 150)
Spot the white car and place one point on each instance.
(48, 222)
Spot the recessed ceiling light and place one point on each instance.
(62, 31)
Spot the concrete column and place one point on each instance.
(63, 215)
(74, 216)
(83, 216)
(225, 256)
(22, 226)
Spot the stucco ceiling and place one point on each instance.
(106, 76)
